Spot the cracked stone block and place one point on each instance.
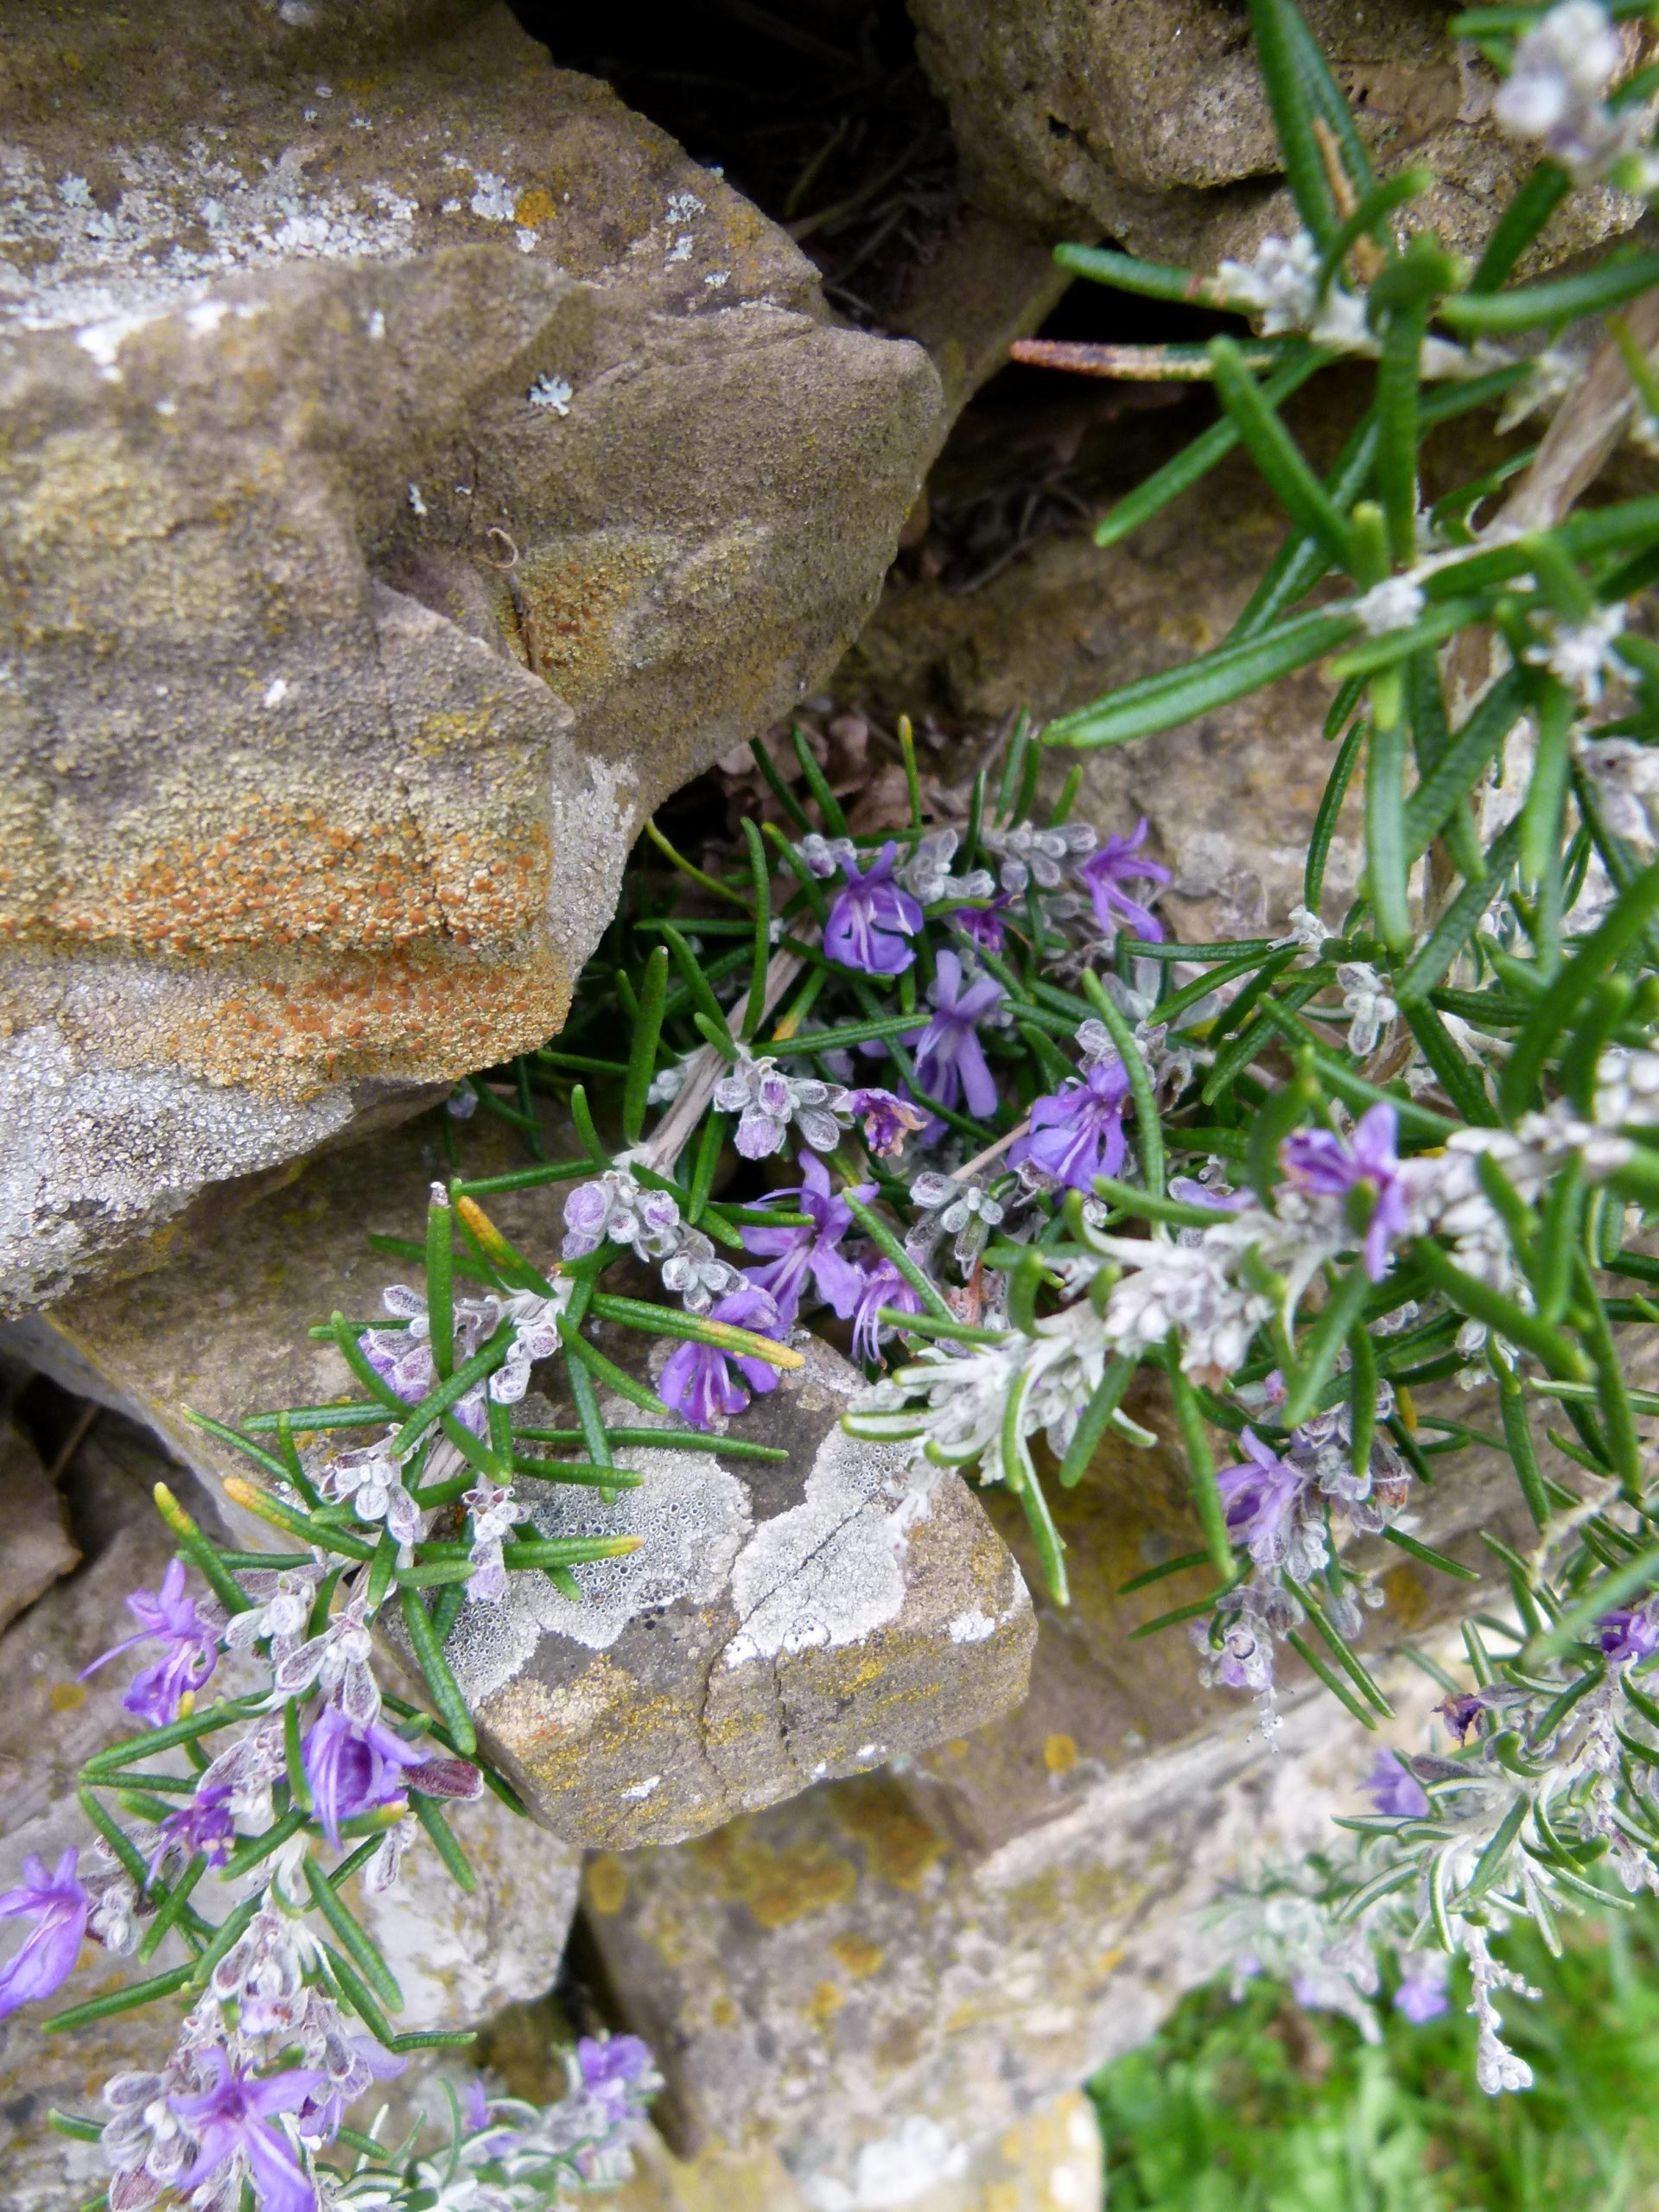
(458, 1958)
(1051, 2161)
(1147, 121)
(38, 1547)
(414, 467)
(781, 1622)
(953, 1942)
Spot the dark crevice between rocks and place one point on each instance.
(817, 110)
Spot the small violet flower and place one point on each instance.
(611, 2067)
(950, 1060)
(1260, 1493)
(793, 1254)
(871, 919)
(205, 1828)
(60, 1905)
(1320, 1165)
(1105, 871)
(766, 1100)
(191, 1635)
(889, 1121)
(353, 1768)
(985, 924)
(1395, 1790)
(882, 1285)
(1422, 1994)
(231, 2121)
(699, 1381)
(1077, 1132)
(1628, 1635)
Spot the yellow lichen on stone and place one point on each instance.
(898, 1847)
(534, 208)
(1060, 1754)
(606, 1883)
(826, 2001)
(778, 1887)
(858, 1954)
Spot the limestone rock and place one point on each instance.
(413, 468)
(458, 1958)
(1146, 120)
(782, 1621)
(38, 1547)
(1050, 2162)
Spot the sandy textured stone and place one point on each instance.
(412, 467)
(38, 1547)
(458, 1958)
(1050, 2162)
(1146, 120)
(780, 1622)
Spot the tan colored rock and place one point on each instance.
(780, 1622)
(1146, 120)
(413, 467)
(1050, 2162)
(38, 1547)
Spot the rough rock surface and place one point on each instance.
(781, 1622)
(413, 467)
(951, 1944)
(457, 1957)
(38, 1547)
(1146, 120)
(1051, 2161)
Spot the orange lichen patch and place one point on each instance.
(607, 1884)
(1061, 1753)
(899, 1847)
(287, 873)
(858, 1954)
(570, 603)
(535, 207)
(419, 1016)
(778, 1887)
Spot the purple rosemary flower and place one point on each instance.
(1077, 1132)
(60, 1905)
(231, 2121)
(205, 1828)
(793, 1254)
(353, 1767)
(1461, 1711)
(1395, 1790)
(699, 1381)
(985, 924)
(871, 919)
(1261, 1493)
(1105, 871)
(882, 1285)
(1422, 1994)
(950, 1060)
(889, 1121)
(1628, 1635)
(192, 1640)
(609, 2068)
(1320, 1165)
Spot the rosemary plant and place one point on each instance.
(1035, 1146)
